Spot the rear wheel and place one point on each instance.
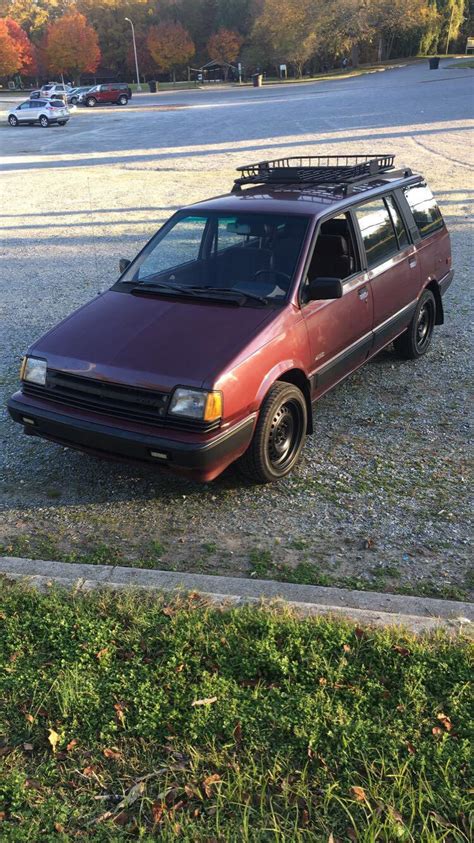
(279, 435)
(43, 121)
(122, 100)
(13, 120)
(73, 100)
(416, 340)
(61, 122)
(91, 102)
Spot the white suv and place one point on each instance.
(51, 90)
(39, 111)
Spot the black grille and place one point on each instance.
(121, 402)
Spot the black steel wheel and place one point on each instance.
(416, 340)
(279, 435)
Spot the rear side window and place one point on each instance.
(377, 231)
(424, 208)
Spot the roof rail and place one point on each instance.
(314, 170)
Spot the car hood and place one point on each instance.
(150, 341)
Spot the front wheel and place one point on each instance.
(91, 102)
(73, 100)
(13, 120)
(44, 122)
(279, 435)
(416, 340)
(122, 100)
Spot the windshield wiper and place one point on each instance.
(190, 292)
(162, 288)
(233, 290)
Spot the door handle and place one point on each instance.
(412, 263)
(363, 293)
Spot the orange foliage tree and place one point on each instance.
(72, 45)
(10, 61)
(24, 48)
(170, 46)
(224, 46)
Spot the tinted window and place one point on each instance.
(398, 223)
(24, 105)
(424, 208)
(38, 104)
(377, 231)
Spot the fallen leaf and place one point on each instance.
(89, 772)
(359, 793)
(30, 718)
(437, 731)
(401, 650)
(445, 721)
(180, 668)
(209, 781)
(396, 815)
(112, 753)
(205, 701)
(411, 748)
(133, 794)
(238, 734)
(323, 681)
(102, 653)
(359, 633)
(439, 819)
(28, 747)
(121, 818)
(54, 739)
(176, 828)
(157, 810)
(346, 648)
(120, 714)
(169, 612)
(32, 784)
(59, 828)
(71, 744)
(2, 816)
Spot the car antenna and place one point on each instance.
(93, 236)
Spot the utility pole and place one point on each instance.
(139, 87)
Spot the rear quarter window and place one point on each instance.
(424, 208)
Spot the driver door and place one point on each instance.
(339, 330)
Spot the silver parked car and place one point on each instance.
(40, 111)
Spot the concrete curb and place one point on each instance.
(418, 614)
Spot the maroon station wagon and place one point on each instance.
(239, 313)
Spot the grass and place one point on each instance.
(462, 63)
(125, 717)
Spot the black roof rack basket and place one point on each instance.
(314, 169)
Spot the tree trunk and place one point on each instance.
(174, 76)
(380, 49)
(355, 55)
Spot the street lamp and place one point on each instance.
(139, 87)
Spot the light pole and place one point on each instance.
(139, 87)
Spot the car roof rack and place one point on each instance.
(314, 170)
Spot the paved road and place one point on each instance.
(381, 491)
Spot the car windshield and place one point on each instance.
(252, 254)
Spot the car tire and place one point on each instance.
(73, 100)
(62, 122)
(13, 121)
(122, 100)
(43, 121)
(91, 102)
(279, 435)
(416, 340)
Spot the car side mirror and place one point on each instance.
(124, 263)
(324, 288)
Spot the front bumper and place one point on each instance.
(203, 458)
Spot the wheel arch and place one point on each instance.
(298, 378)
(433, 286)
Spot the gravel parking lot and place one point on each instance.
(381, 497)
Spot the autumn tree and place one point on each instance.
(10, 61)
(287, 32)
(33, 15)
(72, 46)
(224, 47)
(170, 46)
(25, 50)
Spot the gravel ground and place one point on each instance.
(381, 497)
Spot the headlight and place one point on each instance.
(33, 370)
(196, 404)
